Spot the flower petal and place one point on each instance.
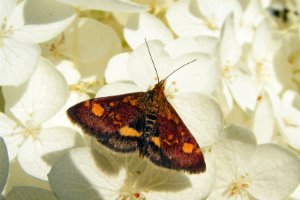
(264, 120)
(29, 193)
(40, 98)
(6, 8)
(12, 134)
(41, 21)
(18, 60)
(117, 88)
(231, 154)
(117, 68)
(141, 69)
(201, 114)
(145, 26)
(37, 154)
(82, 174)
(107, 5)
(274, 167)
(90, 39)
(4, 164)
(183, 22)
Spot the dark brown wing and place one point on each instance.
(116, 121)
(174, 146)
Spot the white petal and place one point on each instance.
(6, 8)
(264, 120)
(117, 88)
(243, 89)
(231, 155)
(107, 5)
(199, 76)
(12, 134)
(17, 176)
(90, 39)
(145, 26)
(141, 69)
(40, 21)
(215, 11)
(67, 69)
(275, 172)
(201, 114)
(38, 154)
(182, 46)
(85, 174)
(291, 107)
(195, 187)
(29, 193)
(264, 45)
(230, 49)
(18, 60)
(4, 164)
(117, 68)
(40, 98)
(183, 22)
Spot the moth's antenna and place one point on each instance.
(152, 60)
(179, 68)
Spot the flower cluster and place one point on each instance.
(240, 99)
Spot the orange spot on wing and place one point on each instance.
(129, 132)
(187, 147)
(198, 151)
(156, 141)
(97, 109)
(170, 136)
(111, 104)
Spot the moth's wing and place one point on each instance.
(174, 146)
(116, 121)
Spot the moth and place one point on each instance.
(144, 122)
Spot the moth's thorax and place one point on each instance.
(154, 98)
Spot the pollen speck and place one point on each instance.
(97, 109)
(156, 141)
(129, 132)
(187, 147)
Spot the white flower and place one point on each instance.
(145, 26)
(289, 118)
(85, 173)
(85, 41)
(107, 5)
(22, 26)
(201, 17)
(4, 164)
(29, 106)
(240, 83)
(247, 171)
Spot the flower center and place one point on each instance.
(4, 32)
(131, 196)
(32, 132)
(240, 185)
(262, 71)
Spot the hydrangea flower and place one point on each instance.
(24, 25)
(246, 170)
(28, 107)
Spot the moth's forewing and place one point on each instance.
(115, 121)
(177, 148)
